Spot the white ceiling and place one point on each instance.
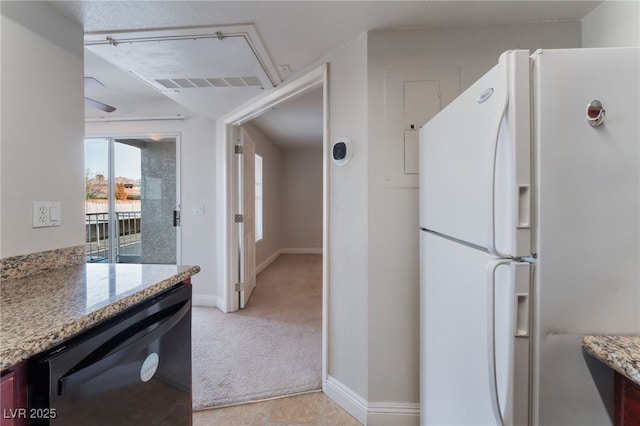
(209, 70)
(295, 123)
(294, 33)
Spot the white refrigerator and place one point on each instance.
(530, 239)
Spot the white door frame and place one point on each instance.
(226, 179)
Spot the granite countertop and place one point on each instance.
(40, 311)
(622, 353)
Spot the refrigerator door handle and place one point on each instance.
(511, 162)
(493, 248)
(494, 390)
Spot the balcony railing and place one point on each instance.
(128, 237)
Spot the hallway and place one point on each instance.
(270, 349)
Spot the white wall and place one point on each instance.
(301, 211)
(292, 197)
(348, 225)
(393, 268)
(197, 188)
(42, 126)
(42, 143)
(614, 23)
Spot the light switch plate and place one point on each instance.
(46, 214)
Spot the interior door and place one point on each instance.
(248, 224)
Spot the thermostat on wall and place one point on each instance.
(342, 151)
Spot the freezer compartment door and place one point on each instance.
(475, 180)
(474, 329)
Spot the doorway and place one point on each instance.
(131, 203)
(229, 248)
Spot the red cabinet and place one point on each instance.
(13, 396)
(626, 399)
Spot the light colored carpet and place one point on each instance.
(272, 348)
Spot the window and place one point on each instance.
(258, 178)
(131, 193)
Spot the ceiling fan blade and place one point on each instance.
(98, 105)
(92, 83)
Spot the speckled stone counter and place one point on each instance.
(23, 266)
(622, 353)
(40, 311)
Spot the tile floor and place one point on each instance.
(306, 409)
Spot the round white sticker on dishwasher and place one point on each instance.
(149, 367)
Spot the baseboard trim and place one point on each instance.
(301, 250)
(353, 403)
(268, 261)
(395, 413)
(374, 413)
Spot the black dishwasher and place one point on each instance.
(133, 369)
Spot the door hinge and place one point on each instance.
(239, 218)
(176, 218)
(238, 149)
(239, 286)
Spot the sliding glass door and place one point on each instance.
(131, 201)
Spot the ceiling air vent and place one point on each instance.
(186, 64)
(189, 83)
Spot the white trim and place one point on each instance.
(325, 222)
(301, 251)
(119, 119)
(375, 413)
(268, 261)
(353, 403)
(275, 97)
(178, 205)
(411, 408)
(221, 304)
(395, 413)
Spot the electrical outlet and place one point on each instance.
(46, 213)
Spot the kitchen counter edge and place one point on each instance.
(621, 353)
(30, 344)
